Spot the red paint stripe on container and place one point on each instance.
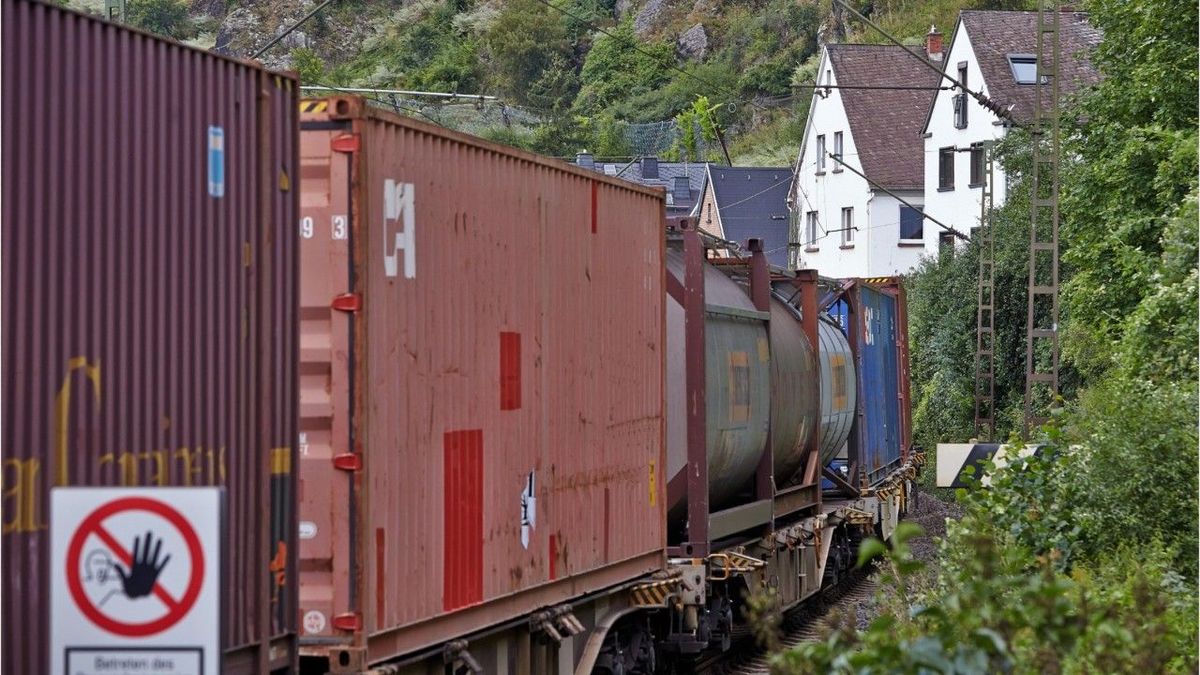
(463, 515)
(380, 577)
(595, 200)
(510, 371)
(553, 557)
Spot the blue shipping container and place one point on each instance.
(879, 383)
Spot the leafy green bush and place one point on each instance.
(308, 65)
(525, 42)
(619, 66)
(1137, 443)
(163, 17)
(992, 607)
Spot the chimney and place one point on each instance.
(650, 167)
(683, 189)
(933, 44)
(585, 160)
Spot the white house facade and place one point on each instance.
(956, 135)
(860, 216)
(994, 53)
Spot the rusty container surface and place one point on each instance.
(481, 383)
(149, 269)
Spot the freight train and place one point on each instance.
(475, 410)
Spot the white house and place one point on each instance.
(994, 53)
(845, 224)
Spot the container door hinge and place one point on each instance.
(347, 302)
(345, 143)
(348, 461)
(455, 654)
(351, 621)
(556, 623)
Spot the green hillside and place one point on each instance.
(607, 75)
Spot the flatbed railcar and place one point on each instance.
(663, 426)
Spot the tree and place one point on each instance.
(525, 45)
(620, 67)
(163, 17)
(1137, 143)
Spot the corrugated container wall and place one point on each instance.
(882, 372)
(149, 271)
(481, 401)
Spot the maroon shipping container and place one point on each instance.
(481, 368)
(149, 271)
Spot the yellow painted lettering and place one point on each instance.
(21, 495)
(129, 468)
(190, 461)
(158, 472)
(62, 410)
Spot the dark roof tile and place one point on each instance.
(752, 202)
(997, 34)
(886, 123)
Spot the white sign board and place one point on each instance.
(135, 581)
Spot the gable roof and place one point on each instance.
(886, 123)
(752, 203)
(667, 171)
(996, 34)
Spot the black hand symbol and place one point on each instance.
(139, 580)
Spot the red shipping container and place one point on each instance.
(149, 289)
(481, 366)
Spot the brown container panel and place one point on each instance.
(503, 379)
(149, 321)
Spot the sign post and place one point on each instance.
(135, 581)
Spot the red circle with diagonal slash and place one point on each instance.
(94, 525)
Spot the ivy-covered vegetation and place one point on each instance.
(585, 70)
(1082, 559)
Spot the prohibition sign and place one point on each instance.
(177, 608)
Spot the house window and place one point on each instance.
(810, 231)
(1024, 68)
(837, 151)
(848, 226)
(960, 110)
(945, 242)
(946, 169)
(977, 164)
(820, 153)
(912, 224)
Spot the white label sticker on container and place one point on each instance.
(398, 211)
(216, 161)
(314, 621)
(303, 444)
(869, 325)
(308, 529)
(528, 510)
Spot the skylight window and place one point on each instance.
(1024, 68)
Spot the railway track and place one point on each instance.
(803, 624)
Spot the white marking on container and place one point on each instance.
(314, 621)
(398, 201)
(528, 509)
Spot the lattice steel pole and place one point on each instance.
(1041, 323)
(985, 316)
